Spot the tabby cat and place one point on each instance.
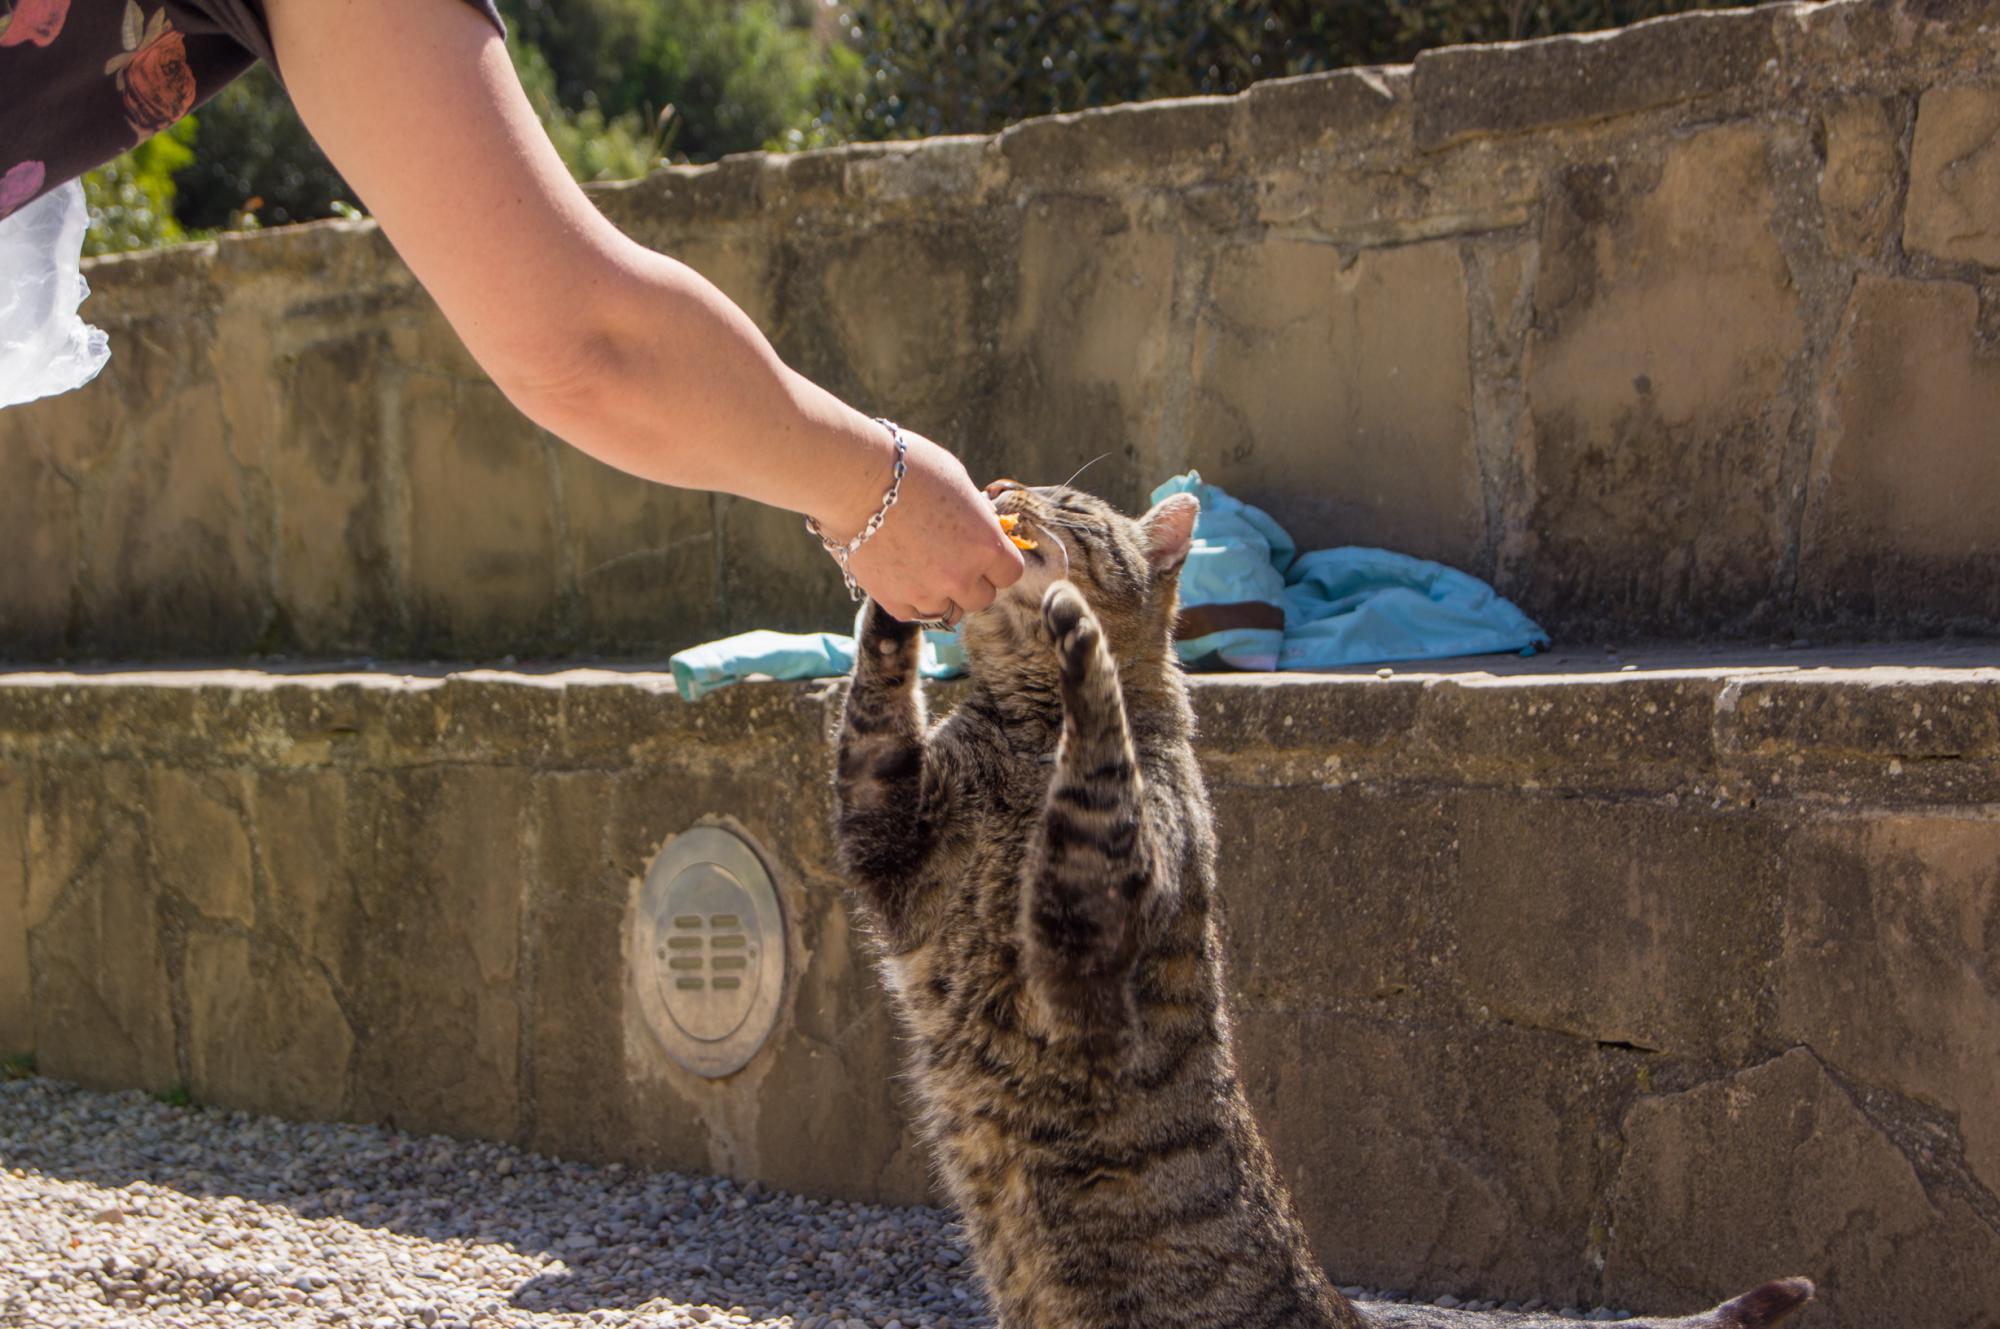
(1038, 872)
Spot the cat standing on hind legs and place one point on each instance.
(1038, 872)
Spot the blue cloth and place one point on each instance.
(1256, 602)
(700, 670)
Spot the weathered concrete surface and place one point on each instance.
(1551, 980)
(1685, 330)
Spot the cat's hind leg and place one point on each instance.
(882, 813)
(1090, 863)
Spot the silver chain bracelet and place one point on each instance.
(842, 552)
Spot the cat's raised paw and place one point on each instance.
(1071, 625)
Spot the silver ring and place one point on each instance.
(945, 622)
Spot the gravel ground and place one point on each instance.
(119, 1210)
(116, 1209)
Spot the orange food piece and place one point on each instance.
(1008, 521)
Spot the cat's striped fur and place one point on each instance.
(1038, 870)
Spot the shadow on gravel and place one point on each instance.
(603, 1237)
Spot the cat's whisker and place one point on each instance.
(1086, 466)
(1050, 538)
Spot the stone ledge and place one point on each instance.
(1891, 721)
(1507, 88)
(1508, 939)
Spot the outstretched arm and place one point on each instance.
(629, 355)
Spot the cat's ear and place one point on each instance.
(1169, 530)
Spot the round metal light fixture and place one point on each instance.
(709, 946)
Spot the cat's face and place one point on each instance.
(1127, 568)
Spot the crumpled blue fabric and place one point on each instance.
(1249, 600)
(1340, 607)
(700, 670)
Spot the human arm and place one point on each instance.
(627, 354)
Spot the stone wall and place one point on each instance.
(1629, 987)
(1685, 330)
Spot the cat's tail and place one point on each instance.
(1770, 1304)
(1759, 1308)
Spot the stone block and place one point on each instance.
(774, 574)
(334, 577)
(614, 718)
(1652, 731)
(642, 556)
(1955, 176)
(97, 961)
(171, 532)
(265, 1032)
(1862, 181)
(1900, 526)
(506, 719)
(905, 311)
(430, 942)
(1361, 200)
(1664, 946)
(844, 1123)
(1890, 969)
(574, 1015)
(201, 852)
(1087, 344)
(1776, 1171)
(944, 170)
(39, 529)
(1506, 89)
(1656, 424)
(1336, 392)
(1439, 1158)
(1308, 728)
(1332, 895)
(17, 1011)
(73, 809)
(313, 829)
(481, 519)
(1852, 716)
(1327, 112)
(1182, 139)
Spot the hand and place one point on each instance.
(940, 553)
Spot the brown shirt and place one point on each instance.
(81, 81)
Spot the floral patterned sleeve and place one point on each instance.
(81, 81)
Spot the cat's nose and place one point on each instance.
(999, 487)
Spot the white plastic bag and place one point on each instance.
(44, 347)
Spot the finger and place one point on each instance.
(1005, 567)
(975, 595)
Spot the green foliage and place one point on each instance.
(973, 66)
(19, 1066)
(621, 84)
(594, 146)
(131, 200)
(718, 76)
(254, 157)
(178, 1096)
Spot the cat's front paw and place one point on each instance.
(884, 633)
(1071, 626)
(887, 644)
